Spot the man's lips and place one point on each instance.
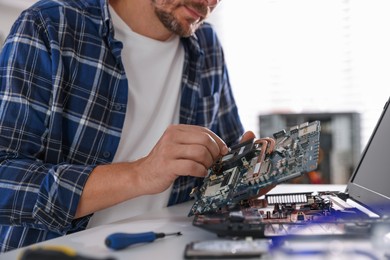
(194, 13)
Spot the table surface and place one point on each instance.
(173, 219)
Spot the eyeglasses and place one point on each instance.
(213, 3)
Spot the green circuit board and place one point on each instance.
(255, 164)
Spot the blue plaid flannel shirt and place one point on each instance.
(63, 96)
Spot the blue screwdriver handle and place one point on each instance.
(122, 240)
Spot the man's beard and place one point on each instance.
(168, 19)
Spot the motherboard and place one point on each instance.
(240, 175)
(290, 214)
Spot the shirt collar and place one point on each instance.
(108, 27)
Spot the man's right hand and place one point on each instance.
(182, 150)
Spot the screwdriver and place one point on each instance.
(118, 241)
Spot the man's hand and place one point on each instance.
(182, 150)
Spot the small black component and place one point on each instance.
(342, 195)
(279, 134)
(236, 155)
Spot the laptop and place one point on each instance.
(356, 211)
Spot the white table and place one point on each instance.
(173, 219)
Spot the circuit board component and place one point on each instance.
(255, 164)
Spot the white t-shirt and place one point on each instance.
(154, 71)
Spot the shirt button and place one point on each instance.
(106, 154)
(118, 107)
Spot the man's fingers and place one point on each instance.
(196, 153)
(185, 167)
(190, 135)
(247, 136)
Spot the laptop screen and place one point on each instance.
(369, 184)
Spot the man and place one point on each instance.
(106, 102)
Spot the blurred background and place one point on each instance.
(292, 61)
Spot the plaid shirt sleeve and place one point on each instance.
(46, 193)
(62, 106)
